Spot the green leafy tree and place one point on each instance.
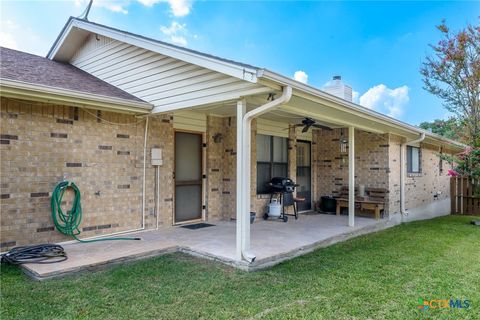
(450, 128)
(453, 74)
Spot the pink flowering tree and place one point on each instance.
(466, 164)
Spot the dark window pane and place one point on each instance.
(280, 169)
(268, 167)
(409, 159)
(263, 177)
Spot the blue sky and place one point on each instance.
(377, 47)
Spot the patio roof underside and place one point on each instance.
(324, 112)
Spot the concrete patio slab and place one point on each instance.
(271, 241)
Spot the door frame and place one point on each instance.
(203, 185)
(311, 173)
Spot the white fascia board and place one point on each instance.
(240, 72)
(304, 91)
(12, 88)
(60, 40)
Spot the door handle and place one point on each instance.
(173, 175)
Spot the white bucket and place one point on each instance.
(274, 208)
(361, 190)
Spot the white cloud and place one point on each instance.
(117, 8)
(173, 29)
(179, 8)
(18, 37)
(148, 3)
(300, 76)
(176, 33)
(111, 5)
(181, 41)
(8, 29)
(386, 100)
(7, 40)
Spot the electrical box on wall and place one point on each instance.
(157, 159)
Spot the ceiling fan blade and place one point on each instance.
(308, 121)
(322, 127)
(305, 129)
(294, 126)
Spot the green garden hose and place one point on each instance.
(69, 223)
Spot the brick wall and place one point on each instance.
(43, 144)
(420, 188)
(160, 135)
(394, 176)
(331, 165)
(102, 152)
(221, 168)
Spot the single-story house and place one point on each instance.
(160, 135)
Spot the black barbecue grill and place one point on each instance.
(282, 189)
(283, 185)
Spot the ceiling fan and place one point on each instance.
(307, 123)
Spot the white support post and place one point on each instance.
(246, 171)
(351, 176)
(241, 110)
(243, 172)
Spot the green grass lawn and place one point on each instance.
(378, 276)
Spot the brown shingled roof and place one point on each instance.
(25, 67)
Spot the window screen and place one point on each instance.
(413, 159)
(272, 160)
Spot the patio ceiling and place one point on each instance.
(327, 113)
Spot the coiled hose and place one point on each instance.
(68, 223)
(40, 253)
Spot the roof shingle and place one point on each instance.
(25, 67)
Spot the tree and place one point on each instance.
(453, 74)
(466, 164)
(450, 128)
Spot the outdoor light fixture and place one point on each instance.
(217, 138)
(343, 143)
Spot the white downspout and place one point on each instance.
(157, 194)
(144, 172)
(403, 171)
(246, 172)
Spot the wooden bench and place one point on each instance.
(375, 199)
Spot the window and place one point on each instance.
(413, 159)
(272, 160)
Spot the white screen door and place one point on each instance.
(188, 176)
